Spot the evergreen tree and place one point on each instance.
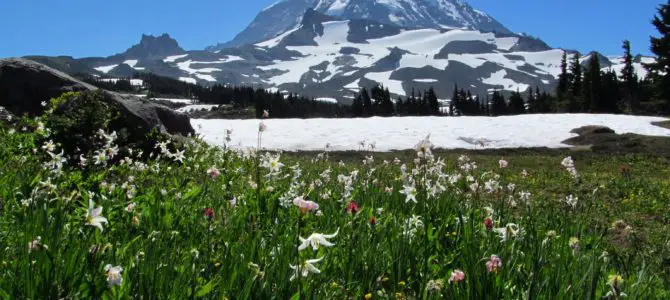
(574, 98)
(564, 77)
(386, 104)
(399, 107)
(660, 70)
(368, 109)
(592, 86)
(516, 105)
(454, 100)
(357, 108)
(434, 105)
(532, 102)
(629, 78)
(610, 92)
(499, 106)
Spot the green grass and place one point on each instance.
(170, 246)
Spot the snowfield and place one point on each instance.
(399, 133)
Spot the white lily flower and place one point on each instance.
(305, 268)
(94, 216)
(317, 239)
(511, 230)
(114, 275)
(410, 193)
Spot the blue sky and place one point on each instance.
(100, 28)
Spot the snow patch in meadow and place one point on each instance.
(174, 100)
(188, 80)
(105, 69)
(397, 133)
(326, 99)
(190, 108)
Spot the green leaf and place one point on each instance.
(204, 290)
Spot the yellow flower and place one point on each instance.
(614, 280)
(401, 284)
(368, 296)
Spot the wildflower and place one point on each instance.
(524, 173)
(131, 207)
(272, 163)
(49, 146)
(457, 276)
(493, 264)
(614, 280)
(36, 244)
(136, 220)
(93, 216)
(488, 223)
(208, 213)
(423, 148)
(571, 201)
(232, 202)
(388, 190)
(305, 268)
(213, 172)
(412, 225)
(551, 235)
(502, 163)
(574, 243)
(317, 239)
(99, 158)
(265, 113)
(262, 127)
(43, 103)
(435, 285)
(305, 205)
(368, 296)
(524, 196)
(82, 160)
(179, 156)
(352, 207)
(410, 193)
(510, 230)
(113, 275)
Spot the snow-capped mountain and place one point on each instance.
(437, 14)
(330, 57)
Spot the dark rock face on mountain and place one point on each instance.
(25, 84)
(154, 46)
(286, 14)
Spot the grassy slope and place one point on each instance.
(173, 251)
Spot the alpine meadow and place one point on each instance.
(337, 149)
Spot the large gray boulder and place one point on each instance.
(24, 84)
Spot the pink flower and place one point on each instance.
(353, 208)
(262, 127)
(488, 223)
(457, 276)
(214, 172)
(493, 264)
(208, 213)
(503, 163)
(265, 113)
(305, 205)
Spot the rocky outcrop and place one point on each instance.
(5, 116)
(25, 84)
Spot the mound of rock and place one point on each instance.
(25, 84)
(592, 129)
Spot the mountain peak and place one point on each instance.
(285, 15)
(154, 46)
